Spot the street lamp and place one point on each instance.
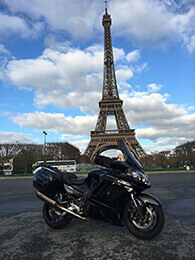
(44, 145)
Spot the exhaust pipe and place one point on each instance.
(55, 204)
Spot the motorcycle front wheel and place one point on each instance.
(147, 226)
(54, 218)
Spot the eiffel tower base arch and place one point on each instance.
(100, 140)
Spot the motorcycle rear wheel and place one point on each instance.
(54, 218)
(148, 227)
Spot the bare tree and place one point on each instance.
(186, 152)
(8, 151)
(62, 151)
(28, 154)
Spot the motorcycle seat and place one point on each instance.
(71, 178)
(78, 181)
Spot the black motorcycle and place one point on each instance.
(111, 194)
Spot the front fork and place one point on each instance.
(139, 205)
(141, 202)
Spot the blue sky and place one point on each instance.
(51, 69)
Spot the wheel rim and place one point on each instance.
(146, 223)
(54, 215)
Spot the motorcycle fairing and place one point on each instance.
(148, 198)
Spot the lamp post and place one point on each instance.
(44, 133)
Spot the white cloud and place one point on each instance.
(158, 117)
(51, 43)
(58, 122)
(72, 78)
(145, 108)
(124, 73)
(152, 23)
(11, 24)
(13, 137)
(166, 144)
(154, 87)
(3, 50)
(69, 77)
(77, 17)
(149, 23)
(170, 122)
(164, 120)
(133, 56)
(154, 133)
(81, 144)
(191, 108)
(70, 137)
(140, 68)
(190, 42)
(149, 112)
(5, 57)
(69, 70)
(66, 77)
(71, 100)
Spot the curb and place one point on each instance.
(167, 172)
(84, 175)
(17, 178)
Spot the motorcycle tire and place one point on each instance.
(146, 228)
(53, 218)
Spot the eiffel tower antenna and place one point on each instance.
(106, 7)
(111, 104)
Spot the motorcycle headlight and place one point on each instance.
(140, 176)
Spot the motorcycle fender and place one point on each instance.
(150, 199)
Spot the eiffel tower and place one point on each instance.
(111, 104)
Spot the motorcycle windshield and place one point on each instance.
(130, 158)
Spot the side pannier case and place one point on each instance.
(48, 181)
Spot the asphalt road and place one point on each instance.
(24, 235)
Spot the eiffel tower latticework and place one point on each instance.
(111, 104)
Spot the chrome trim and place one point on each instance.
(124, 183)
(54, 203)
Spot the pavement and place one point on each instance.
(24, 234)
